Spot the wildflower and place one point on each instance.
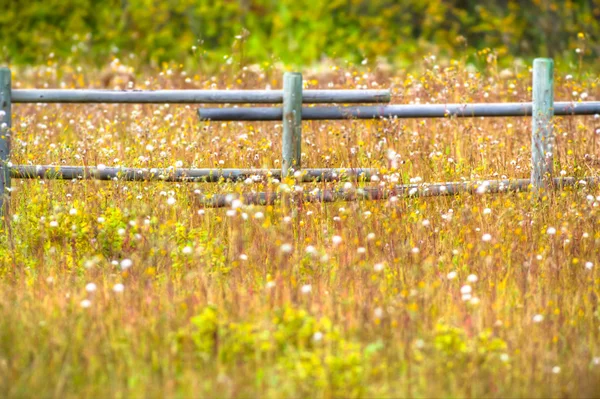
(73, 211)
(86, 303)
(54, 223)
(187, 250)
(306, 289)
(231, 212)
(371, 236)
(259, 215)
(466, 289)
(378, 267)
(287, 219)
(425, 223)
(483, 187)
(596, 361)
(126, 264)
(589, 265)
(270, 284)
(538, 318)
(121, 231)
(336, 240)
(171, 201)
(243, 257)
(101, 220)
(504, 357)
(452, 275)
(90, 287)
(378, 312)
(472, 278)
(118, 288)
(556, 369)
(361, 250)
(286, 248)
(311, 250)
(415, 250)
(486, 237)
(551, 231)
(487, 211)
(178, 164)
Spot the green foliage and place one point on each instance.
(294, 32)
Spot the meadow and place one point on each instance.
(129, 289)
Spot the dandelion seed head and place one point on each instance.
(90, 287)
(306, 289)
(118, 288)
(126, 264)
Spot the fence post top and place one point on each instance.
(543, 61)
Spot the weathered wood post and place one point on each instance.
(542, 138)
(5, 126)
(292, 122)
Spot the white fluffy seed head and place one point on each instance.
(90, 287)
(126, 264)
(118, 288)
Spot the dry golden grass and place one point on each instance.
(465, 296)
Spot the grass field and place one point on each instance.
(128, 289)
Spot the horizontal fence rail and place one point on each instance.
(180, 174)
(194, 96)
(401, 191)
(397, 111)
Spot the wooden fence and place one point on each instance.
(541, 109)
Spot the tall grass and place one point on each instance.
(131, 289)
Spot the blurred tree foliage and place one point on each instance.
(291, 31)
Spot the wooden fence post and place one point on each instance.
(5, 126)
(542, 138)
(292, 122)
